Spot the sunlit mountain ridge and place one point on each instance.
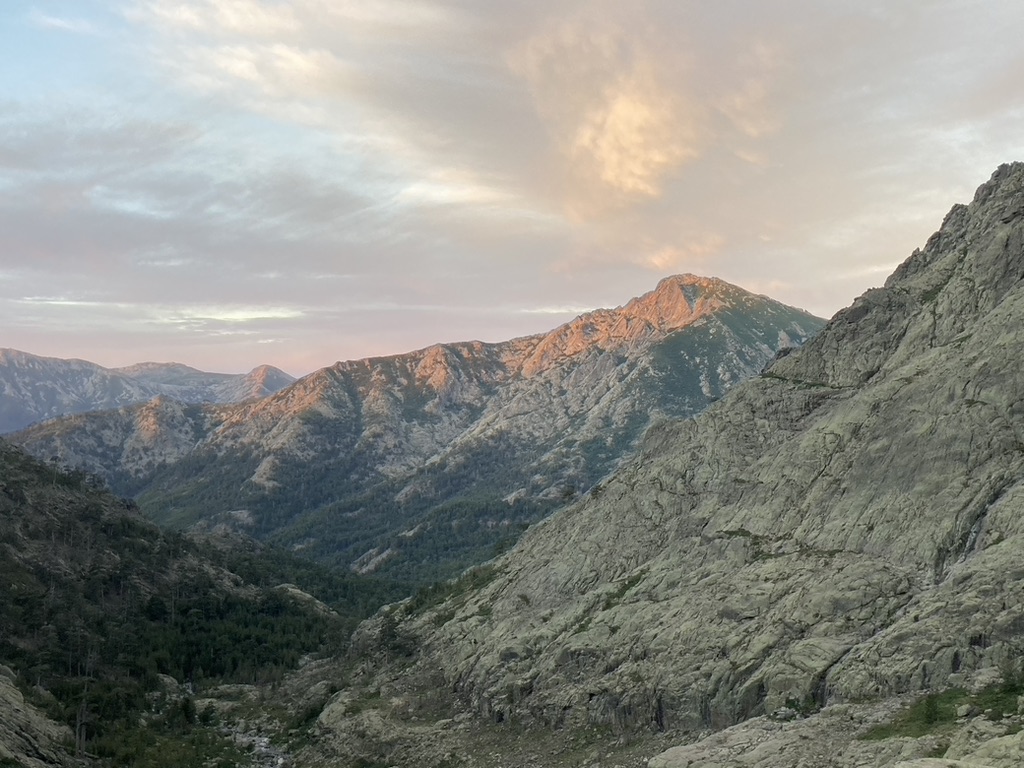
(420, 464)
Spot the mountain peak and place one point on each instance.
(678, 301)
(1007, 178)
(37, 388)
(964, 272)
(273, 378)
(997, 203)
(688, 279)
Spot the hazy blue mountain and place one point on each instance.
(34, 388)
(189, 385)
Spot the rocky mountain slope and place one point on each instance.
(34, 388)
(420, 464)
(846, 527)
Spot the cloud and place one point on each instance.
(693, 254)
(359, 74)
(451, 186)
(224, 314)
(276, 71)
(254, 18)
(748, 105)
(62, 301)
(55, 140)
(160, 193)
(634, 136)
(76, 26)
(218, 16)
(167, 314)
(604, 97)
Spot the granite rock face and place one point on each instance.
(846, 526)
(834, 737)
(27, 737)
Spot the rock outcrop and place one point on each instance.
(27, 737)
(836, 737)
(846, 526)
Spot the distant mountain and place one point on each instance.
(34, 388)
(420, 464)
(188, 385)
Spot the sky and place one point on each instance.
(228, 183)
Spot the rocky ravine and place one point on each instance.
(847, 526)
(372, 463)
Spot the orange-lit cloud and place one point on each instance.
(693, 254)
(619, 126)
(634, 136)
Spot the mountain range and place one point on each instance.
(34, 388)
(418, 465)
(821, 568)
(772, 582)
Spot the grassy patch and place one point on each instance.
(435, 594)
(936, 711)
(144, 748)
(1000, 699)
(926, 715)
